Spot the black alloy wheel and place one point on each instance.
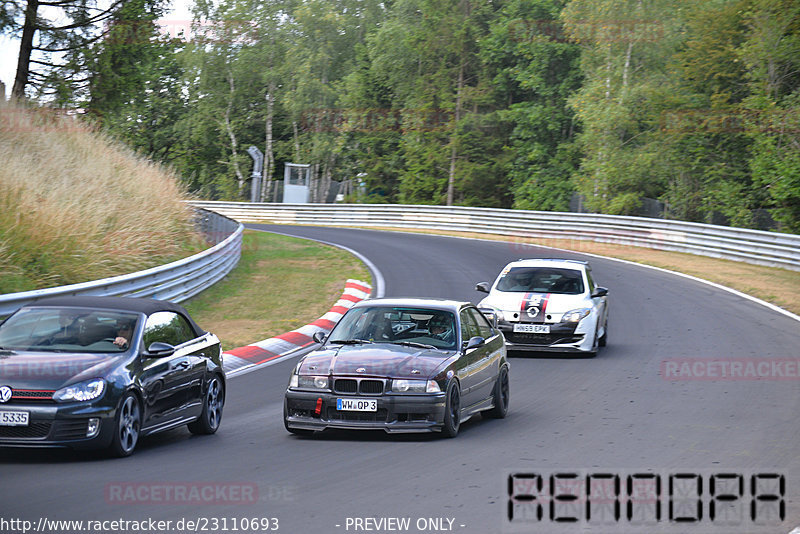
(213, 402)
(452, 411)
(501, 395)
(127, 425)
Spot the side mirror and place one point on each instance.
(319, 336)
(483, 287)
(599, 292)
(157, 349)
(474, 343)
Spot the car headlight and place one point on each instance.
(82, 391)
(501, 316)
(308, 382)
(415, 386)
(575, 316)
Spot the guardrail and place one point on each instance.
(176, 281)
(752, 246)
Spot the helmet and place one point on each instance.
(441, 326)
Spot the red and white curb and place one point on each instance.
(261, 352)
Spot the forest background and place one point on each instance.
(515, 103)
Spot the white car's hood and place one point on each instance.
(534, 306)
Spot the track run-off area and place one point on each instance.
(657, 409)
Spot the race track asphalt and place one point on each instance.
(614, 414)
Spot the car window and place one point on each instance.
(591, 281)
(541, 280)
(167, 327)
(483, 326)
(64, 329)
(396, 324)
(469, 328)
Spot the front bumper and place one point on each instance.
(563, 337)
(58, 425)
(396, 413)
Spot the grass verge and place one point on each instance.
(77, 206)
(280, 283)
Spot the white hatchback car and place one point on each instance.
(548, 305)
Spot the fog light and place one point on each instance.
(93, 428)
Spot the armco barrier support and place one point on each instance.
(275, 347)
(752, 246)
(176, 281)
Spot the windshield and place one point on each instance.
(541, 280)
(68, 330)
(382, 324)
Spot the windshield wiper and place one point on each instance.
(350, 341)
(414, 344)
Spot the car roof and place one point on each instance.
(550, 262)
(417, 302)
(130, 304)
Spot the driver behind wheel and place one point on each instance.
(441, 327)
(124, 333)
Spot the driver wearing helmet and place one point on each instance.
(521, 281)
(441, 327)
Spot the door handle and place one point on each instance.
(183, 364)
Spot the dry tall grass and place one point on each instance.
(76, 206)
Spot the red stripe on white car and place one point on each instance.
(533, 308)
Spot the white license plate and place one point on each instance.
(357, 405)
(532, 328)
(13, 418)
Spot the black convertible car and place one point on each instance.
(95, 372)
(401, 365)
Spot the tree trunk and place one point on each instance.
(232, 135)
(269, 157)
(25, 49)
(451, 178)
(625, 71)
(296, 142)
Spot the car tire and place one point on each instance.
(604, 338)
(591, 353)
(295, 431)
(213, 402)
(501, 395)
(127, 426)
(452, 410)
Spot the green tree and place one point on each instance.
(771, 54)
(136, 82)
(534, 69)
(54, 36)
(426, 54)
(626, 47)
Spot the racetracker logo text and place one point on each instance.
(195, 493)
(731, 369)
